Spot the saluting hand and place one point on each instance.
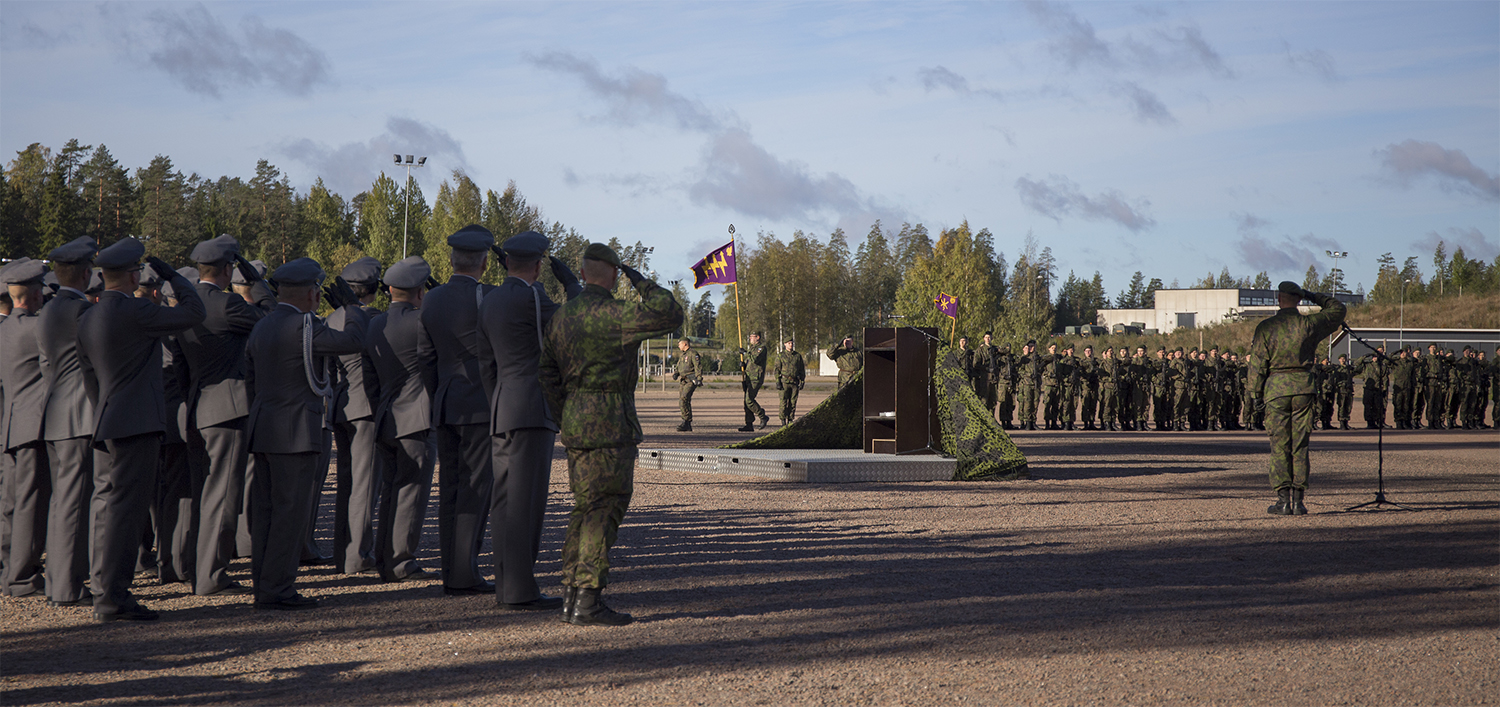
(163, 270)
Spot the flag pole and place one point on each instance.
(738, 320)
(954, 329)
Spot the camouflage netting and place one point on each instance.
(969, 434)
(836, 423)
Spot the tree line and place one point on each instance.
(811, 289)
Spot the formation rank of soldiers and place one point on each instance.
(1120, 389)
(168, 421)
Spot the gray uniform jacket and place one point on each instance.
(394, 375)
(119, 340)
(353, 402)
(175, 381)
(215, 352)
(286, 416)
(69, 411)
(512, 320)
(21, 375)
(450, 321)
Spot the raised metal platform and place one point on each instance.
(819, 466)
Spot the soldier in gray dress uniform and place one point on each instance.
(174, 510)
(119, 341)
(357, 480)
(460, 412)
(27, 485)
(217, 406)
(288, 374)
(67, 423)
(402, 390)
(5, 308)
(512, 321)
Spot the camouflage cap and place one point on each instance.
(602, 253)
(123, 253)
(78, 250)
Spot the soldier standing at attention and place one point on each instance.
(1051, 394)
(67, 423)
(460, 412)
(1004, 384)
(1088, 381)
(119, 342)
(512, 322)
(689, 375)
(1109, 401)
(754, 376)
(1402, 375)
(589, 372)
(26, 482)
(966, 361)
(1343, 389)
(1028, 381)
(1161, 391)
(1375, 368)
(1182, 391)
(1141, 374)
(356, 482)
(1069, 370)
(849, 360)
(791, 374)
(1281, 356)
(402, 391)
(985, 365)
(288, 377)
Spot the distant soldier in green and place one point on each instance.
(1088, 384)
(754, 376)
(1141, 373)
(1342, 377)
(1486, 382)
(1209, 395)
(984, 368)
(966, 361)
(1435, 375)
(1051, 387)
(1281, 356)
(1161, 391)
(1124, 390)
(1028, 381)
(849, 360)
(1003, 375)
(689, 376)
(1182, 391)
(1403, 384)
(589, 372)
(1455, 389)
(1069, 403)
(791, 375)
(1376, 370)
(1231, 391)
(1323, 380)
(1109, 403)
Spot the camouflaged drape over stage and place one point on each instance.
(970, 433)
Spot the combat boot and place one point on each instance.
(686, 426)
(1296, 508)
(1343, 424)
(1070, 427)
(746, 428)
(589, 610)
(763, 421)
(1283, 506)
(570, 604)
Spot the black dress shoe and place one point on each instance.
(229, 590)
(134, 612)
(541, 603)
(481, 588)
(296, 602)
(418, 576)
(86, 600)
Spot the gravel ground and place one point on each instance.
(1135, 568)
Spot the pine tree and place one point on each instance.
(957, 266)
(106, 197)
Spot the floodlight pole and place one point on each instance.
(1336, 255)
(1401, 326)
(406, 216)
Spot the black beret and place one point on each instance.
(365, 270)
(302, 271)
(23, 271)
(1287, 287)
(527, 244)
(124, 253)
(408, 274)
(78, 250)
(1031, 342)
(602, 253)
(218, 250)
(96, 282)
(239, 279)
(472, 237)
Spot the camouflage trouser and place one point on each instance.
(1124, 404)
(1005, 403)
(1289, 423)
(753, 409)
(1344, 401)
(1141, 403)
(1209, 404)
(1051, 402)
(602, 481)
(685, 400)
(1436, 404)
(1182, 407)
(1161, 407)
(1109, 406)
(1026, 397)
(1090, 405)
(1069, 405)
(1401, 399)
(789, 403)
(1374, 406)
(1327, 401)
(844, 376)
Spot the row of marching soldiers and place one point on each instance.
(183, 418)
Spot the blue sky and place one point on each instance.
(1172, 138)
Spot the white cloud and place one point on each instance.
(351, 167)
(1413, 159)
(1062, 197)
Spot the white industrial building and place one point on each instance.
(1197, 308)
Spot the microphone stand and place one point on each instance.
(1380, 499)
(931, 389)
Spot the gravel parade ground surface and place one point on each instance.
(1133, 568)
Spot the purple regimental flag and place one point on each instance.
(947, 304)
(716, 268)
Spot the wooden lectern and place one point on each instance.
(901, 412)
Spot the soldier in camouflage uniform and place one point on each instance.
(589, 372)
(1161, 391)
(1068, 368)
(1229, 392)
(1210, 391)
(1281, 356)
(754, 376)
(689, 375)
(1323, 380)
(1342, 375)
(1403, 380)
(1376, 370)
(985, 365)
(1003, 376)
(1088, 383)
(1109, 390)
(1455, 389)
(791, 375)
(1486, 374)
(1141, 373)
(1247, 405)
(1124, 390)
(966, 361)
(1051, 387)
(1028, 380)
(846, 356)
(1182, 391)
